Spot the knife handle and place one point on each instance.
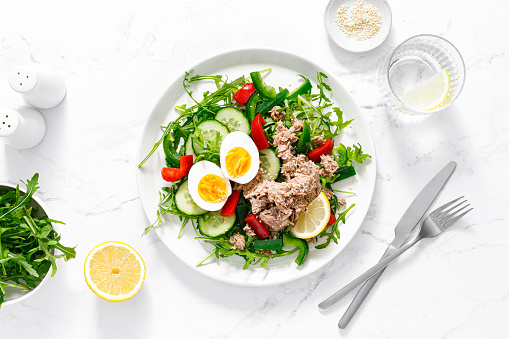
(415, 236)
(365, 289)
(358, 300)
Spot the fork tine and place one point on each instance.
(450, 215)
(443, 207)
(452, 221)
(450, 209)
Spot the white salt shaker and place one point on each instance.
(22, 127)
(41, 86)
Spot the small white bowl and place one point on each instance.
(15, 295)
(351, 44)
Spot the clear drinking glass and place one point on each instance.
(424, 74)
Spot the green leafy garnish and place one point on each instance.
(321, 118)
(356, 155)
(27, 243)
(190, 117)
(332, 232)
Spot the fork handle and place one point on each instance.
(327, 303)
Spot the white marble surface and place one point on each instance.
(119, 56)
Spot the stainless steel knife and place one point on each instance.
(407, 223)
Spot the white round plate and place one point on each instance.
(285, 70)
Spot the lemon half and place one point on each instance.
(114, 271)
(314, 219)
(430, 94)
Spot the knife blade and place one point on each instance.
(406, 224)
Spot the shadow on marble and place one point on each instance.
(357, 61)
(53, 144)
(123, 319)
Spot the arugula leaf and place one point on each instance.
(202, 110)
(210, 148)
(224, 249)
(356, 155)
(27, 244)
(340, 123)
(321, 86)
(21, 201)
(332, 233)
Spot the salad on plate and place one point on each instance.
(252, 168)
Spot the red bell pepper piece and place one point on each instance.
(332, 218)
(258, 227)
(231, 204)
(243, 94)
(174, 174)
(257, 133)
(326, 148)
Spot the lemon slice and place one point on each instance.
(314, 219)
(114, 271)
(430, 94)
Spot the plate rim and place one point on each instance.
(153, 112)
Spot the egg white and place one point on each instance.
(197, 172)
(240, 139)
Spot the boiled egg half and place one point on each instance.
(208, 186)
(239, 157)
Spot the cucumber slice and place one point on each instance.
(234, 119)
(214, 224)
(208, 129)
(270, 164)
(185, 203)
(189, 146)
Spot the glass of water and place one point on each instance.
(424, 74)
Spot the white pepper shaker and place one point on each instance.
(22, 127)
(40, 85)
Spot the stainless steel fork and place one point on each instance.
(434, 224)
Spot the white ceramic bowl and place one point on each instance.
(15, 295)
(351, 44)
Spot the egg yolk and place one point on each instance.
(212, 188)
(238, 162)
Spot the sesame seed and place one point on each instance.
(364, 22)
